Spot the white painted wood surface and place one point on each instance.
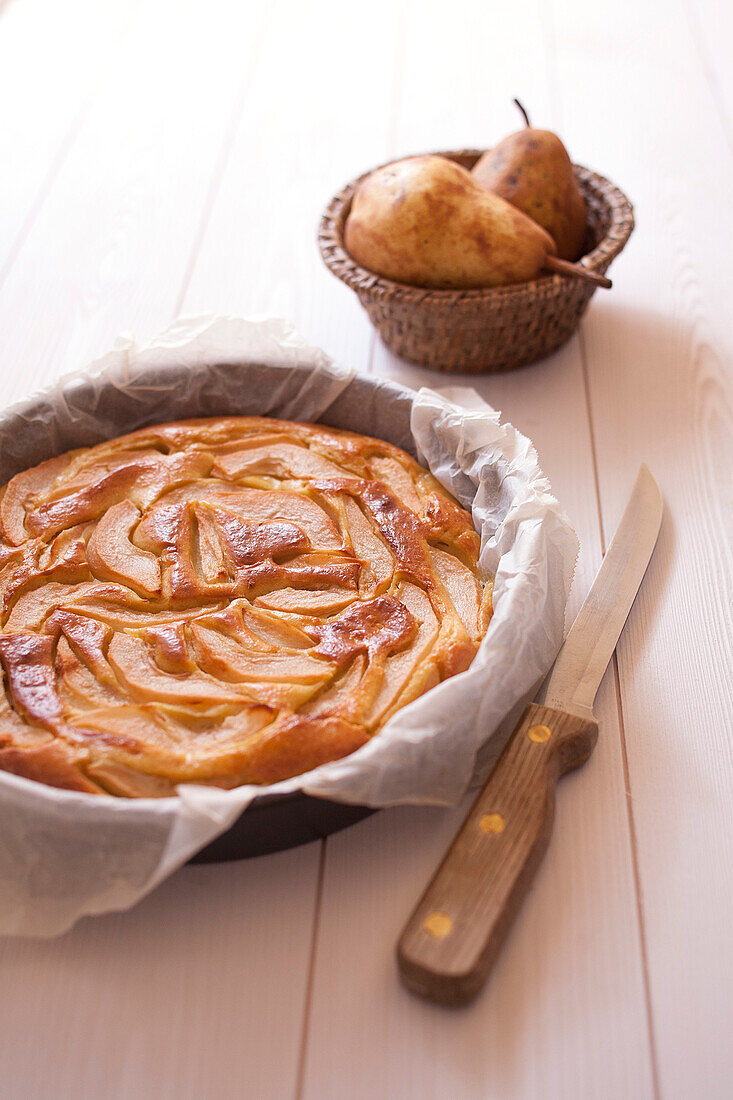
(173, 155)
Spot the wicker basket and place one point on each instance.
(481, 331)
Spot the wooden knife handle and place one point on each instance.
(453, 936)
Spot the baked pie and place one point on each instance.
(224, 601)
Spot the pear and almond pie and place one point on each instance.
(224, 601)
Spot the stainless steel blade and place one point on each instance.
(577, 673)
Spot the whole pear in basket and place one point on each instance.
(532, 170)
(427, 222)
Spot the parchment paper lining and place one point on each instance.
(65, 855)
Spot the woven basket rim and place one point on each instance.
(360, 279)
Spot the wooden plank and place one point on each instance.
(659, 352)
(200, 989)
(45, 92)
(564, 1014)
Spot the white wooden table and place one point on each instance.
(168, 156)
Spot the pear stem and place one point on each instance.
(576, 271)
(524, 114)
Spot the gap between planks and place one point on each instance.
(308, 999)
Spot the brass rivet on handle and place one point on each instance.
(437, 924)
(492, 823)
(540, 734)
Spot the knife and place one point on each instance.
(449, 943)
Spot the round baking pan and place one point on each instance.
(277, 821)
(91, 412)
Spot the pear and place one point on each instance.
(532, 170)
(428, 222)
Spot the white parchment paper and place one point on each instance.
(64, 855)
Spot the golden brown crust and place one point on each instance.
(224, 601)
(51, 764)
